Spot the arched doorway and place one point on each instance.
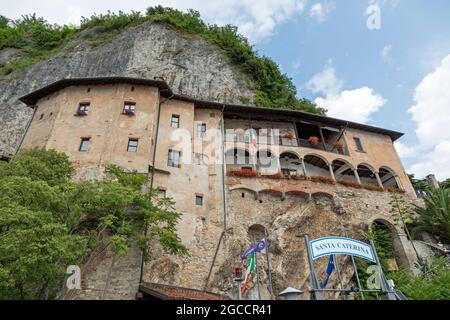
(388, 178)
(367, 175)
(316, 166)
(290, 164)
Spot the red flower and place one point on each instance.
(313, 140)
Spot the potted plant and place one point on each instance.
(338, 145)
(314, 140)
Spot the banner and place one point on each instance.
(336, 245)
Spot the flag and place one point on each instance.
(259, 247)
(250, 269)
(330, 269)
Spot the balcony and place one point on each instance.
(287, 142)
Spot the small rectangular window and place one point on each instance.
(83, 108)
(198, 200)
(129, 108)
(201, 130)
(175, 121)
(132, 145)
(84, 145)
(174, 158)
(162, 193)
(358, 144)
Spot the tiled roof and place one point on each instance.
(168, 292)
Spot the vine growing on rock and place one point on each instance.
(37, 40)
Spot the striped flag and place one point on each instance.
(250, 269)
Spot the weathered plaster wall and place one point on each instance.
(105, 125)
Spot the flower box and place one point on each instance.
(314, 140)
(242, 173)
(322, 179)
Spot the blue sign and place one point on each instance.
(335, 245)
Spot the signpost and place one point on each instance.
(344, 246)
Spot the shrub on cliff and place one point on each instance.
(47, 222)
(37, 39)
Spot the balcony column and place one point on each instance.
(380, 183)
(330, 166)
(355, 171)
(397, 179)
(304, 167)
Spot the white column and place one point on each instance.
(304, 167)
(380, 183)
(330, 166)
(355, 171)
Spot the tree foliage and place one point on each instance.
(38, 39)
(434, 217)
(48, 222)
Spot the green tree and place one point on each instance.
(434, 217)
(48, 222)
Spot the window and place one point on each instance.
(83, 109)
(358, 144)
(174, 158)
(162, 193)
(175, 121)
(132, 145)
(128, 108)
(201, 130)
(198, 200)
(84, 145)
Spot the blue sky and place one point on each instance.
(397, 76)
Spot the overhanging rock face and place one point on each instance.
(190, 65)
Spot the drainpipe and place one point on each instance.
(153, 172)
(26, 130)
(222, 124)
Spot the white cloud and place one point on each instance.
(320, 11)
(354, 105)
(257, 20)
(405, 151)
(431, 112)
(325, 81)
(385, 53)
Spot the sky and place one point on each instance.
(381, 62)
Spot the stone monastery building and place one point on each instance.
(235, 172)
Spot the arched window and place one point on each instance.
(367, 175)
(316, 166)
(290, 164)
(343, 170)
(388, 179)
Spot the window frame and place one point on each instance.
(83, 140)
(83, 108)
(175, 116)
(133, 146)
(201, 133)
(197, 197)
(171, 160)
(358, 144)
(129, 108)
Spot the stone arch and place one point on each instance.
(318, 196)
(388, 178)
(402, 249)
(366, 174)
(343, 170)
(290, 163)
(316, 165)
(272, 192)
(301, 194)
(267, 161)
(256, 232)
(244, 190)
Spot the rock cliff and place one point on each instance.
(191, 66)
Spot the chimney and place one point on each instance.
(432, 181)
